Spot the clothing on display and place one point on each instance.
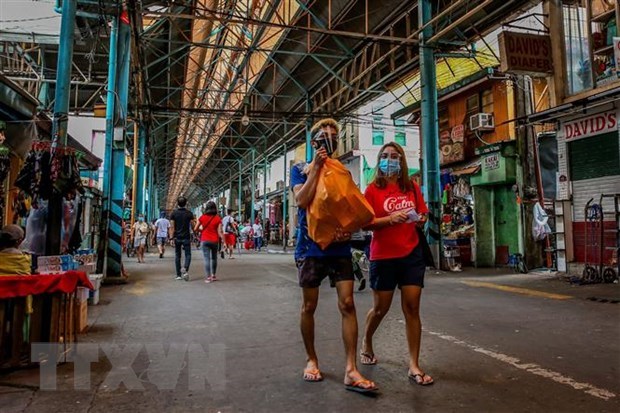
(5, 167)
(43, 172)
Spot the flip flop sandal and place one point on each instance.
(356, 386)
(316, 374)
(419, 379)
(365, 357)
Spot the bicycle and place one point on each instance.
(517, 263)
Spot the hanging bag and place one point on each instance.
(338, 205)
(429, 261)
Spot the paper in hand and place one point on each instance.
(412, 216)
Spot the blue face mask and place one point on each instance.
(389, 166)
(141, 219)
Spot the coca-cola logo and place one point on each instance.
(399, 203)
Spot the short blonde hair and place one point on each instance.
(325, 122)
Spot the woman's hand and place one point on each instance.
(341, 235)
(422, 220)
(399, 217)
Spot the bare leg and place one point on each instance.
(308, 307)
(410, 303)
(346, 305)
(382, 303)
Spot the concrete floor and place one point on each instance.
(493, 343)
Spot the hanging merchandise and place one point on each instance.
(457, 223)
(69, 217)
(462, 189)
(5, 167)
(43, 172)
(540, 226)
(36, 230)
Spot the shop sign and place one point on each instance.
(491, 162)
(616, 43)
(588, 126)
(525, 53)
(452, 150)
(488, 149)
(458, 133)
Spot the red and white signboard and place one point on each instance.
(616, 42)
(458, 133)
(590, 125)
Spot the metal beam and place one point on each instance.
(217, 16)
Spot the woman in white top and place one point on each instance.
(257, 229)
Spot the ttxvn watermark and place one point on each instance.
(167, 364)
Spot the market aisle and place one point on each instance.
(489, 350)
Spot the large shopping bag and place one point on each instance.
(338, 205)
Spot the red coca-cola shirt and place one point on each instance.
(398, 240)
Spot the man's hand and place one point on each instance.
(320, 158)
(341, 235)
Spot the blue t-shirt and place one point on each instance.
(306, 247)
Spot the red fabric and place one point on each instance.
(209, 224)
(230, 239)
(397, 240)
(24, 285)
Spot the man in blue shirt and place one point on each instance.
(315, 264)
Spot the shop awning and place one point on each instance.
(470, 170)
(458, 86)
(15, 103)
(573, 108)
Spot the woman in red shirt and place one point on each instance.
(396, 257)
(210, 226)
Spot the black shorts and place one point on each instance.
(386, 275)
(312, 270)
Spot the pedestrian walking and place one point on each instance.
(230, 227)
(210, 226)
(182, 222)
(162, 226)
(396, 254)
(315, 264)
(257, 230)
(140, 232)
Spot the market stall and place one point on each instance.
(457, 225)
(45, 308)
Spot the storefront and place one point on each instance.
(17, 131)
(457, 223)
(590, 143)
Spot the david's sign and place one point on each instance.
(525, 53)
(591, 125)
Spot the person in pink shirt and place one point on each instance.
(396, 256)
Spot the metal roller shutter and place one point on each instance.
(594, 157)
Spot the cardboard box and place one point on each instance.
(82, 294)
(82, 315)
(95, 280)
(601, 6)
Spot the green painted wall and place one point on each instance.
(506, 218)
(483, 217)
(496, 215)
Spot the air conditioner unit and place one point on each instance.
(482, 122)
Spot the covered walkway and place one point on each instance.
(535, 345)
